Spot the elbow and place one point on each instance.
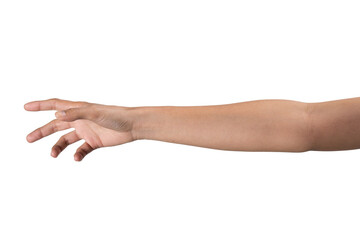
(305, 130)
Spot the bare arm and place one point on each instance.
(263, 125)
(335, 125)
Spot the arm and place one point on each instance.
(335, 125)
(263, 125)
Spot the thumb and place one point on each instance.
(73, 114)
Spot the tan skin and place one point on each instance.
(262, 125)
(95, 135)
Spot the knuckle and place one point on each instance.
(65, 140)
(93, 111)
(73, 114)
(54, 125)
(54, 100)
(38, 133)
(56, 148)
(69, 112)
(80, 152)
(83, 103)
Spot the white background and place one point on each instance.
(139, 53)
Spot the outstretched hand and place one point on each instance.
(99, 125)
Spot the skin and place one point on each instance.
(262, 125)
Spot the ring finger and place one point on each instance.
(63, 142)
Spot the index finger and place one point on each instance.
(51, 104)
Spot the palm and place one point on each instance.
(97, 136)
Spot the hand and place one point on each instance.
(99, 125)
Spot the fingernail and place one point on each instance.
(60, 114)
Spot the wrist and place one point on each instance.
(143, 121)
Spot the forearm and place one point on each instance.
(264, 125)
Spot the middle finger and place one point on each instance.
(50, 128)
